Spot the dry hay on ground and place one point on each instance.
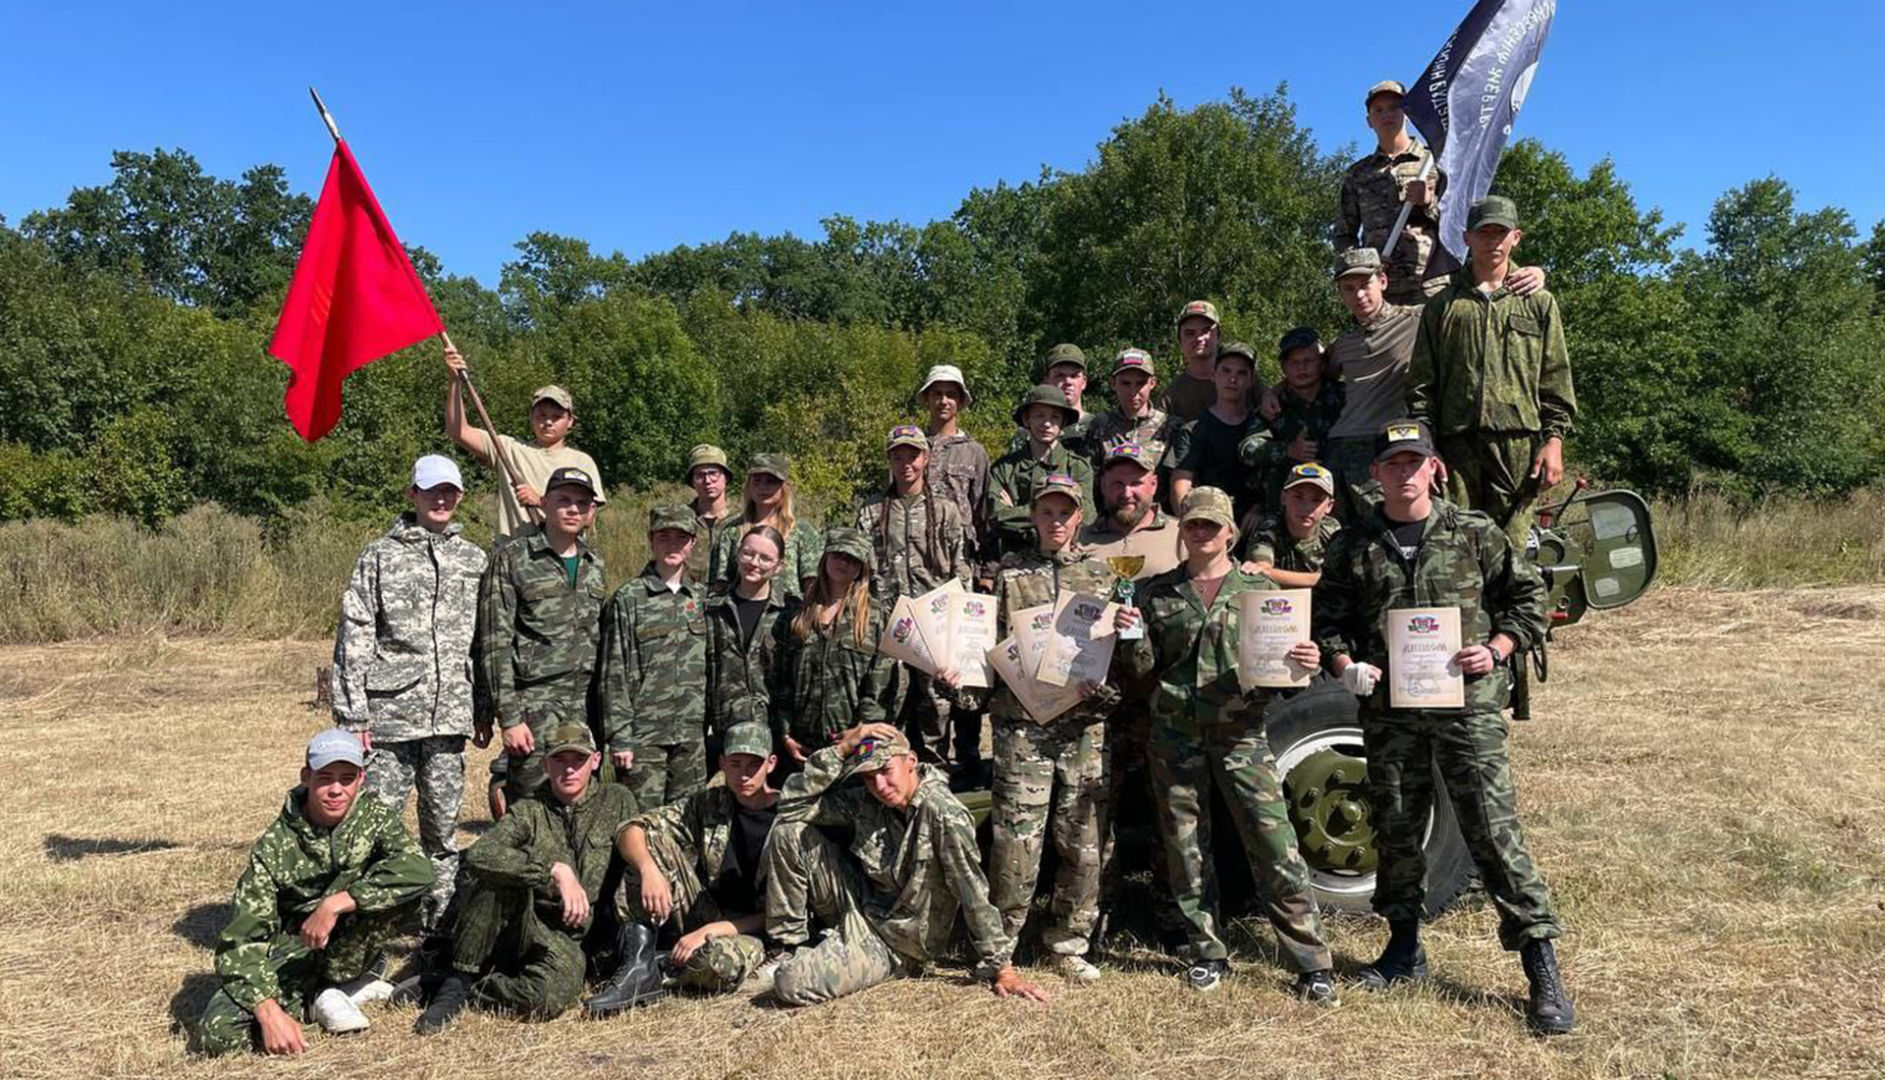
(1703, 791)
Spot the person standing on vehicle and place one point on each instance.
(1375, 188)
(1421, 551)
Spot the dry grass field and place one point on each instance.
(1704, 791)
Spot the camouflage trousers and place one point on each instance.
(1129, 791)
(924, 715)
(436, 767)
(352, 950)
(1405, 288)
(721, 964)
(1491, 472)
(665, 772)
(1403, 750)
(518, 962)
(1049, 778)
(809, 875)
(1355, 490)
(1235, 758)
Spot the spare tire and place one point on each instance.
(1315, 734)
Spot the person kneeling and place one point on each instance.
(327, 884)
(527, 929)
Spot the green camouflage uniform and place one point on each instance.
(1464, 561)
(536, 646)
(889, 893)
(1154, 431)
(1267, 448)
(1208, 732)
(402, 672)
(1011, 484)
(1267, 539)
(1373, 190)
(798, 563)
(703, 563)
(292, 867)
(822, 686)
(917, 543)
(688, 841)
(738, 671)
(1049, 772)
(510, 941)
(652, 686)
(1492, 377)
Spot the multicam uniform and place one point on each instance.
(1464, 561)
(889, 891)
(692, 842)
(402, 673)
(958, 471)
(652, 685)
(1373, 190)
(292, 867)
(1154, 432)
(917, 543)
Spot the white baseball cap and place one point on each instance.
(434, 469)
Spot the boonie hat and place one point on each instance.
(554, 393)
(1357, 260)
(907, 435)
(1047, 395)
(572, 476)
(334, 744)
(873, 753)
(1385, 86)
(1058, 484)
(1125, 448)
(705, 454)
(946, 373)
(1200, 308)
(1133, 360)
(845, 540)
(1209, 504)
(1310, 473)
(434, 469)
(673, 516)
(1404, 435)
(748, 737)
(569, 735)
(1492, 210)
(771, 465)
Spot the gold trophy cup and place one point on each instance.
(1125, 568)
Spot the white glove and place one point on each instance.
(1359, 678)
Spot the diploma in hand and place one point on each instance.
(1421, 645)
(1125, 568)
(1273, 623)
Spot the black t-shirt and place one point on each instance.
(748, 612)
(738, 890)
(1407, 536)
(1207, 449)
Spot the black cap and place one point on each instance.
(1405, 435)
(574, 477)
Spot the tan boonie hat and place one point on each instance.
(553, 393)
(874, 754)
(1133, 360)
(1310, 473)
(907, 435)
(1209, 504)
(946, 373)
(703, 455)
(1058, 484)
(772, 465)
(673, 516)
(1201, 308)
(747, 737)
(1357, 260)
(572, 476)
(569, 736)
(1385, 86)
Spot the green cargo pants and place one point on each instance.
(352, 949)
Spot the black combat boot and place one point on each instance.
(1549, 1010)
(637, 979)
(454, 993)
(1402, 961)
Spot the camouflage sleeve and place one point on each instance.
(1008, 523)
(956, 544)
(617, 664)
(1348, 218)
(726, 555)
(1089, 491)
(961, 860)
(1514, 592)
(497, 619)
(978, 508)
(1333, 605)
(877, 689)
(1557, 400)
(397, 873)
(809, 798)
(242, 948)
(1420, 370)
(1262, 448)
(678, 821)
(502, 856)
(353, 643)
(779, 674)
(811, 548)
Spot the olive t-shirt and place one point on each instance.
(532, 465)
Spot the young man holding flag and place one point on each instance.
(552, 415)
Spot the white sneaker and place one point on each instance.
(1075, 968)
(336, 1012)
(367, 989)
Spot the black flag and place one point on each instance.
(1465, 102)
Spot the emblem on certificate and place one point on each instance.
(1421, 645)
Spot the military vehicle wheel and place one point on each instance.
(1316, 737)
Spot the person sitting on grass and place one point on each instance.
(327, 884)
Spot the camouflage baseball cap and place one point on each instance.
(946, 373)
(569, 735)
(771, 465)
(748, 737)
(1063, 354)
(1238, 348)
(874, 754)
(1357, 260)
(673, 516)
(572, 476)
(1404, 435)
(1046, 395)
(907, 435)
(1057, 484)
(1209, 504)
(1301, 337)
(1385, 86)
(335, 744)
(1133, 360)
(844, 540)
(1492, 210)
(553, 393)
(1126, 448)
(706, 455)
(1310, 473)
(1199, 308)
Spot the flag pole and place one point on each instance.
(1407, 209)
(490, 430)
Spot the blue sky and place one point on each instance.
(638, 127)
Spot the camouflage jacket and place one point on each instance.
(402, 654)
(1154, 431)
(651, 678)
(293, 867)
(1193, 651)
(539, 832)
(1491, 363)
(798, 563)
(738, 671)
(536, 644)
(1266, 449)
(702, 826)
(922, 862)
(1029, 579)
(1011, 484)
(1372, 192)
(828, 683)
(703, 563)
(911, 553)
(1464, 561)
(958, 470)
(1266, 539)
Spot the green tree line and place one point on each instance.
(133, 320)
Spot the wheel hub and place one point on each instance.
(1328, 805)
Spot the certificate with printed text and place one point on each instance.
(1421, 645)
(1042, 702)
(1270, 625)
(932, 610)
(971, 636)
(1030, 628)
(903, 639)
(1080, 642)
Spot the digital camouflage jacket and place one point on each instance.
(1491, 363)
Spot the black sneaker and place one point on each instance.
(1317, 987)
(1549, 1010)
(1394, 967)
(1204, 975)
(454, 993)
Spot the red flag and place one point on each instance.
(355, 298)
